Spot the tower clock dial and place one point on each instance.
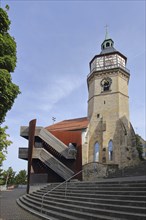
(106, 83)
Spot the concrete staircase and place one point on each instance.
(53, 163)
(115, 199)
(57, 145)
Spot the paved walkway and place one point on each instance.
(9, 210)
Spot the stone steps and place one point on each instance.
(57, 213)
(66, 203)
(86, 201)
(85, 189)
(96, 196)
(90, 200)
(85, 193)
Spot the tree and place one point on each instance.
(21, 177)
(8, 90)
(4, 143)
(8, 176)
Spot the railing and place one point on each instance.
(106, 67)
(65, 182)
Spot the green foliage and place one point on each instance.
(7, 44)
(139, 146)
(8, 93)
(7, 7)
(4, 143)
(1, 177)
(21, 177)
(7, 52)
(9, 177)
(4, 21)
(8, 90)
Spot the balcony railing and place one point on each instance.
(107, 67)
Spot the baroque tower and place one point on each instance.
(111, 138)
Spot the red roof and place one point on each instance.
(70, 125)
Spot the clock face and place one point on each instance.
(106, 83)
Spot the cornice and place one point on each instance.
(112, 73)
(108, 93)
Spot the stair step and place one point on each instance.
(71, 189)
(55, 215)
(105, 182)
(94, 184)
(30, 209)
(112, 200)
(82, 213)
(94, 193)
(89, 207)
(84, 196)
(95, 200)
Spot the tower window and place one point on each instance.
(107, 44)
(104, 102)
(98, 115)
(106, 86)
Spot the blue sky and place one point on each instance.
(55, 42)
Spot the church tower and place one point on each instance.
(111, 138)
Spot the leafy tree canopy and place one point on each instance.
(8, 90)
(21, 177)
(7, 52)
(9, 177)
(8, 93)
(4, 143)
(4, 21)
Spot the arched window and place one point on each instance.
(110, 150)
(96, 152)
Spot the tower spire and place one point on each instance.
(106, 32)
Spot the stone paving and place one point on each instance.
(9, 210)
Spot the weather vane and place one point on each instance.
(53, 119)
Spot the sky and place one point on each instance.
(56, 40)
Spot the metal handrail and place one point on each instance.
(58, 187)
